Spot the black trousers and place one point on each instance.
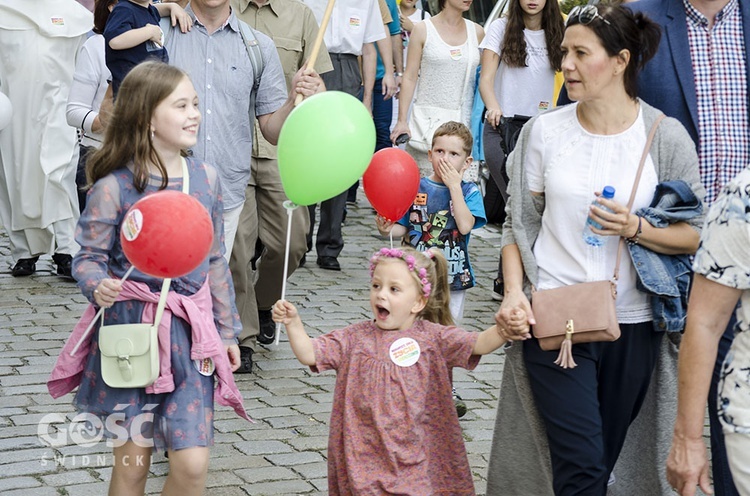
(587, 410)
(330, 241)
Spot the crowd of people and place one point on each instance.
(140, 97)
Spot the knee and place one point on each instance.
(189, 468)
(130, 471)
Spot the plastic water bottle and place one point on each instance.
(589, 236)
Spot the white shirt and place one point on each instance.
(569, 164)
(87, 90)
(353, 23)
(522, 90)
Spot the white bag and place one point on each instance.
(423, 122)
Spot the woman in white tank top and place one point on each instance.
(443, 56)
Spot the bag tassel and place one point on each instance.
(565, 358)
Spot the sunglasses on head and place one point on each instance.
(585, 14)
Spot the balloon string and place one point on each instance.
(96, 317)
(286, 267)
(390, 235)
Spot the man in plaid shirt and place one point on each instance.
(700, 76)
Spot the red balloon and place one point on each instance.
(167, 234)
(391, 182)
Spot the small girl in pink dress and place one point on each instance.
(394, 427)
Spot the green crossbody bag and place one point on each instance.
(130, 352)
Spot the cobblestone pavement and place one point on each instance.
(285, 451)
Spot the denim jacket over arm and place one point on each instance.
(666, 278)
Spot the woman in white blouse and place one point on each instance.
(87, 93)
(563, 158)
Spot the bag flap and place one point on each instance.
(590, 305)
(125, 339)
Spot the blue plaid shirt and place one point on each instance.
(719, 65)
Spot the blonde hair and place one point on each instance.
(453, 128)
(128, 136)
(430, 272)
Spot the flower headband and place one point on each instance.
(411, 262)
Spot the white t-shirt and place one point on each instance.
(352, 24)
(568, 164)
(522, 90)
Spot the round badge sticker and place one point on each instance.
(132, 225)
(404, 352)
(205, 367)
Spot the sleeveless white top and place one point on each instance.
(442, 73)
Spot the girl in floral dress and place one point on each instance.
(154, 121)
(394, 428)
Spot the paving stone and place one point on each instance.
(262, 447)
(25, 482)
(265, 474)
(279, 487)
(68, 478)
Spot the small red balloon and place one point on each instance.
(391, 182)
(166, 234)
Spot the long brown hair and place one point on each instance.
(513, 48)
(437, 308)
(128, 135)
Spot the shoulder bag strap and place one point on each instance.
(646, 150)
(256, 60)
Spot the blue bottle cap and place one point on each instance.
(608, 192)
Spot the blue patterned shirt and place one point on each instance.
(719, 65)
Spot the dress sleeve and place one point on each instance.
(96, 233)
(725, 242)
(226, 317)
(330, 350)
(456, 345)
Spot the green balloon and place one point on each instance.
(324, 146)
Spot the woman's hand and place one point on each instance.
(233, 353)
(618, 222)
(492, 117)
(107, 291)
(399, 129)
(515, 318)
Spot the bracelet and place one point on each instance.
(635, 238)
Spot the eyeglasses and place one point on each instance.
(585, 14)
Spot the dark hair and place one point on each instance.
(101, 14)
(626, 30)
(513, 47)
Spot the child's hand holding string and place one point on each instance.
(107, 291)
(384, 225)
(284, 312)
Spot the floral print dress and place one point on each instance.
(724, 257)
(183, 418)
(394, 428)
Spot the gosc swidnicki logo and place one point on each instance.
(87, 429)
